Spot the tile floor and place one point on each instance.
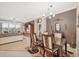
(16, 49)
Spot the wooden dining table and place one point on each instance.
(60, 47)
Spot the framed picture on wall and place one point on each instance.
(57, 27)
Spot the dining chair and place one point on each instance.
(59, 42)
(33, 39)
(48, 46)
(58, 38)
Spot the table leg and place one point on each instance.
(66, 48)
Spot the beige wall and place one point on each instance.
(67, 21)
(77, 30)
(77, 42)
(43, 26)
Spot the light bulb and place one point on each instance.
(43, 15)
(51, 13)
(50, 17)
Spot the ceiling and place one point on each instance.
(27, 11)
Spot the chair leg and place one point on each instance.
(44, 53)
(58, 52)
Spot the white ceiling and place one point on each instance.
(25, 11)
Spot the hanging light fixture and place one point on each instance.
(50, 11)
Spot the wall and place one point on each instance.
(0, 28)
(67, 21)
(77, 42)
(77, 30)
(43, 26)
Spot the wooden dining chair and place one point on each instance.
(58, 38)
(48, 45)
(33, 39)
(59, 42)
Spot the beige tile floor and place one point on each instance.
(15, 54)
(16, 49)
(20, 45)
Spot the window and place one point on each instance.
(18, 28)
(4, 27)
(11, 28)
(11, 25)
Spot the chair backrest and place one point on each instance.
(57, 38)
(33, 37)
(47, 41)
